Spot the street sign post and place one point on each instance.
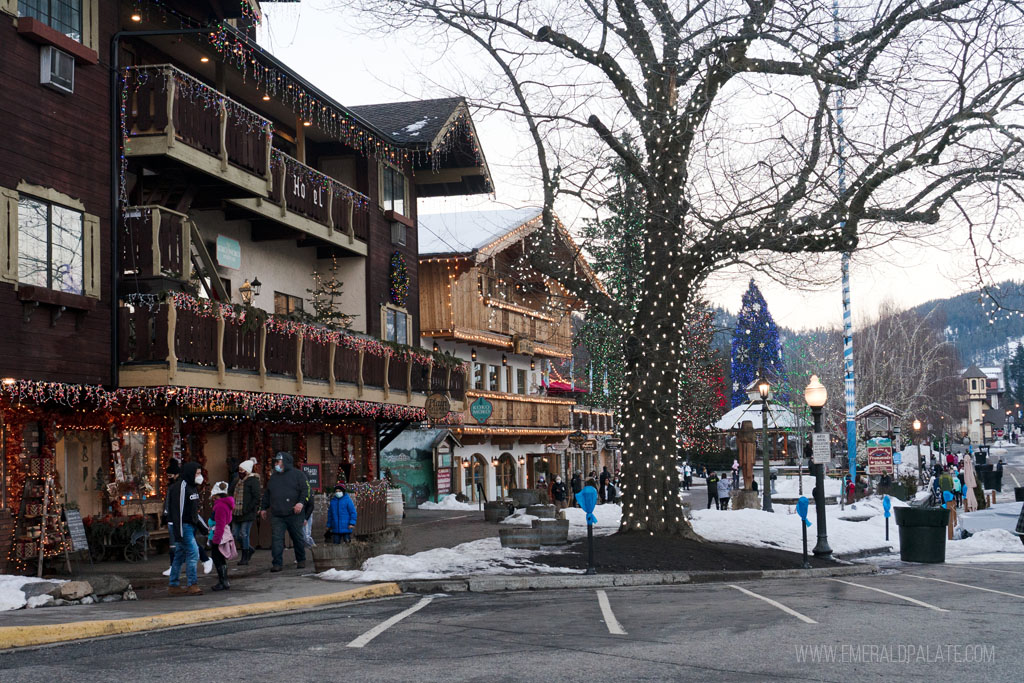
(822, 450)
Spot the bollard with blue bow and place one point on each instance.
(887, 508)
(587, 498)
(801, 509)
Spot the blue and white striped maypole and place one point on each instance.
(851, 408)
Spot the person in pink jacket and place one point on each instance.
(223, 506)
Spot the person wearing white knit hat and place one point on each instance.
(247, 493)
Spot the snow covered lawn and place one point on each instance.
(789, 487)
(608, 518)
(485, 556)
(449, 503)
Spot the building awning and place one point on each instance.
(779, 417)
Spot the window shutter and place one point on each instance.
(92, 270)
(8, 235)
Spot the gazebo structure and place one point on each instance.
(781, 421)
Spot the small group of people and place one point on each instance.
(720, 489)
(287, 500)
(605, 483)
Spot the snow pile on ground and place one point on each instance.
(781, 529)
(869, 507)
(449, 503)
(485, 556)
(789, 487)
(520, 518)
(11, 596)
(986, 542)
(608, 516)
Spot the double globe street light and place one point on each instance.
(816, 396)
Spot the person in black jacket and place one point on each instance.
(576, 484)
(183, 522)
(247, 494)
(559, 493)
(286, 497)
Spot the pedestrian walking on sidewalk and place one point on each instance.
(246, 494)
(604, 481)
(284, 500)
(559, 493)
(222, 544)
(687, 477)
(341, 515)
(307, 505)
(712, 480)
(183, 518)
(724, 486)
(576, 484)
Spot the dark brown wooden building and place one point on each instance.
(166, 230)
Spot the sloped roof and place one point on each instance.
(465, 233)
(973, 372)
(779, 417)
(872, 406)
(418, 121)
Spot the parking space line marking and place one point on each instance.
(895, 595)
(967, 585)
(614, 627)
(984, 569)
(385, 625)
(787, 610)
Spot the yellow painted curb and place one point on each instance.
(25, 636)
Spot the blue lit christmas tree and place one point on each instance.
(755, 345)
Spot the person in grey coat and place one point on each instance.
(724, 487)
(286, 498)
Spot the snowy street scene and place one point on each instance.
(643, 341)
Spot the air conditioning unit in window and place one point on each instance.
(56, 69)
(398, 233)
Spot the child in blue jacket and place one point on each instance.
(341, 518)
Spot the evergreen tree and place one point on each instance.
(324, 299)
(755, 346)
(1014, 374)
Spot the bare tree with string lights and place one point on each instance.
(731, 103)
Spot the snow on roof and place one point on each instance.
(466, 232)
(779, 417)
(872, 406)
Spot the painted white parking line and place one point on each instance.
(787, 610)
(895, 595)
(614, 627)
(385, 625)
(967, 585)
(1015, 482)
(984, 569)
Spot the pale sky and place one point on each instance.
(357, 66)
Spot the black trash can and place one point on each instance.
(922, 534)
(1018, 494)
(980, 457)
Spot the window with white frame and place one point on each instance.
(396, 325)
(520, 381)
(64, 16)
(50, 245)
(393, 191)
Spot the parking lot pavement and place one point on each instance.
(924, 622)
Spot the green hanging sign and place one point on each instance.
(481, 409)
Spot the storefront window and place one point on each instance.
(139, 459)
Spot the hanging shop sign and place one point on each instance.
(229, 253)
(437, 407)
(612, 444)
(481, 409)
(589, 445)
(577, 438)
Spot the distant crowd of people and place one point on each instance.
(606, 483)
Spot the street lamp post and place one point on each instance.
(816, 395)
(764, 389)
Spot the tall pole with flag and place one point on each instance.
(851, 425)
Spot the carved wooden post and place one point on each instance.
(172, 324)
(220, 346)
(350, 226)
(387, 370)
(359, 382)
(266, 169)
(223, 136)
(154, 219)
(408, 379)
(172, 87)
(186, 251)
(298, 363)
(331, 351)
(263, 357)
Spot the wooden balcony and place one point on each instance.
(545, 418)
(170, 345)
(174, 117)
(155, 243)
(313, 203)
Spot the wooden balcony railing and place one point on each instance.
(162, 100)
(522, 411)
(319, 197)
(179, 335)
(155, 241)
(521, 323)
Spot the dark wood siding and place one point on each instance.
(62, 142)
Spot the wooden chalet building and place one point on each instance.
(481, 300)
(159, 231)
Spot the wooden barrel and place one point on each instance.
(341, 556)
(520, 537)
(525, 497)
(495, 511)
(552, 531)
(542, 511)
(395, 508)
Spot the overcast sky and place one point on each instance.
(334, 50)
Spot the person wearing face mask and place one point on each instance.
(284, 498)
(341, 517)
(184, 521)
(246, 494)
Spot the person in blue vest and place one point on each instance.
(341, 515)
